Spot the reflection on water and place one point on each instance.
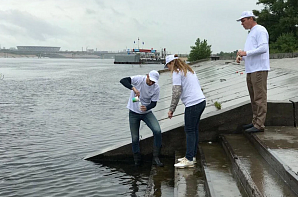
(187, 182)
(53, 113)
(161, 182)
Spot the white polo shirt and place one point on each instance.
(257, 50)
(147, 94)
(191, 90)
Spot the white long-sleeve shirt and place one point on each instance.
(257, 50)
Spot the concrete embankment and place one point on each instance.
(225, 83)
(232, 163)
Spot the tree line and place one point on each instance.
(279, 17)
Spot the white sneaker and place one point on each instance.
(184, 163)
(193, 159)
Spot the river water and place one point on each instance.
(53, 112)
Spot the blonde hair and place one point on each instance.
(180, 65)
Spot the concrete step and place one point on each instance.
(279, 147)
(218, 171)
(188, 181)
(262, 179)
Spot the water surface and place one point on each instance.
(53, 112)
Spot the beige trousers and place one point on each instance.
(257, 88)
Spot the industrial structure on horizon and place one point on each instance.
(38, 49)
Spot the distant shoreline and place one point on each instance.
(57, 56)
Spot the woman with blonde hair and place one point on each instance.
(186, 86)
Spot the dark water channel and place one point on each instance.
(52, 114)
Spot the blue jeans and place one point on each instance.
(151, 122)
(192, 117)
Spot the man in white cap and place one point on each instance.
(256, 57)
(146, 88)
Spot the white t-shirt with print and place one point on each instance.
(147, 94)
(191, 90)
(257, 50)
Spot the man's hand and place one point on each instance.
(137, 93)
(238, 59)
(241, 53)
(170, 114)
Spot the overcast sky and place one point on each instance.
(114, 25)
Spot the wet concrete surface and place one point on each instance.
(219, 169)
(283, 141)
(265, 178)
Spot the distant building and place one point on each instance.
(38, 48)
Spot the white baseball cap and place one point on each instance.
(154, 76)
(246, 14)
(170, 58)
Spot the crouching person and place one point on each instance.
(143, 97)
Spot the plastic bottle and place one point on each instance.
(135, 99)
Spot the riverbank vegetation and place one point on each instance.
(280, 17)
(201, 50)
